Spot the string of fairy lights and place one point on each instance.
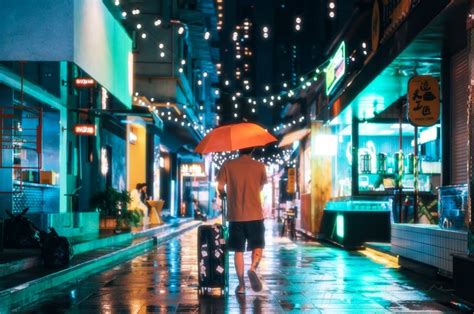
(281, 158)
(267, 99)
(141, 23)
(238, 98)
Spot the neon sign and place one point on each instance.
(336, 68)
(84, 82)
(84, 129)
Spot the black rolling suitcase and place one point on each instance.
(213, 258)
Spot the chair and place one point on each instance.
(155, 211)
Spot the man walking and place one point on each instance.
(243, 179)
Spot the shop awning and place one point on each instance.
(175, 137)
(139, 115)
(289, 138)
(415, 48)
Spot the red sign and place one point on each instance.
(84, 82)
(84, 129)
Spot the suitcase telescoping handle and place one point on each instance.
(224, 209)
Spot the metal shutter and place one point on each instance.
(458, 100)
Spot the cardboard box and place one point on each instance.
(48, 177)
(29, 176)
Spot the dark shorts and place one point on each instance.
(251, 231)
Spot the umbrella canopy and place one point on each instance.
(234, 136)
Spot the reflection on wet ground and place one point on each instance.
(298, 277)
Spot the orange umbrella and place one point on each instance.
(234, 136)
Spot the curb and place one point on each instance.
(19, 265)
(34, 290)
(86, 246)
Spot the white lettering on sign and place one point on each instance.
(84, 129)
(80, 82)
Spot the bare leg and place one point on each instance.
(256, 258)
(255, 282)
(239, 267)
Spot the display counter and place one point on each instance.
(352, 221)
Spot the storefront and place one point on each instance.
(385, 173)
(198, 190)
(144, 157)
(30, 154)
(195, 188)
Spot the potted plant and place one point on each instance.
(113, 212)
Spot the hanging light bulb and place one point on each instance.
(158, 22)
(181, 30)
(139, 26)
(207, 35)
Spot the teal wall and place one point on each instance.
(80, 31)
(102, 47)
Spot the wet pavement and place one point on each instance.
(298, 277)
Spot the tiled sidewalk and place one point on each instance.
(297, 277)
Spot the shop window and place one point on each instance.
(342, 160)
(383, 165)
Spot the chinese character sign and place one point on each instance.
(423, 100)
(291, 185)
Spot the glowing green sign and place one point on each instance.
(336, 68)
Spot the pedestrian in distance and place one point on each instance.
(136, 202)
(241, 181)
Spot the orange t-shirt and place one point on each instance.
(244, 179)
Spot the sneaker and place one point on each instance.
(255, 282)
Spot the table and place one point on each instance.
(155, 211)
